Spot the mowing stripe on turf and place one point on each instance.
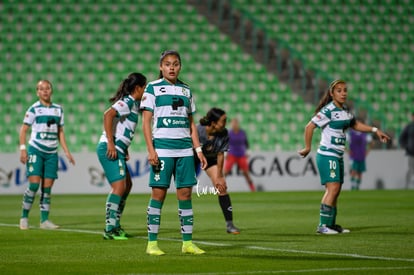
(247, 247)
(292, 271)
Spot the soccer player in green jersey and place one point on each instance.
(168, 106)
(41, 158)
(333, 117)
(120, 121)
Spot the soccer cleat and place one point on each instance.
(48, 225)
(190, 248)
(339, 228)
(123, 233)
(114, 234)
(323, 229)
(153, 249)
(24, 223)
(231, 229)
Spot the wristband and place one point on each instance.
(198, 149)
(374, 129)
(22, 147)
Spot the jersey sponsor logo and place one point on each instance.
(177, 102)
(172, 123)
(338, 141)
(50, 122)
(46, 136)
(177, 113)
(163, 90)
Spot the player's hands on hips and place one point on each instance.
(304, 152)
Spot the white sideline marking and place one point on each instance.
(252, 248)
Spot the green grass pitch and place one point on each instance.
(277, 236)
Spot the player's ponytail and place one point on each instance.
(128, 85)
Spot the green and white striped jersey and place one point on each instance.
(333, 121)
(45, 122)
(124, 123)
(171, 106)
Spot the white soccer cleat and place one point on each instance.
(24, 223)
(323, 229)
(48, 225)
(339, 228)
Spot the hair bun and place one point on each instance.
(204, 121)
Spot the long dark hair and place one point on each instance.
(213, 115)
(327, 97)
(164, 54)
(128, 85)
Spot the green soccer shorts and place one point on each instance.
(358, 166)
(115, 169)
(182, 168)
(331, 169)
(44, 165)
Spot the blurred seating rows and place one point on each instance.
(86, 48)
(369, 44)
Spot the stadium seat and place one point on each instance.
(86, 48)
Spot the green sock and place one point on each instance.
(358, 182)
(353, 183)
(45, 204)
(154, 219)
(326, 215)
(185, 212)
(334, 211)
(28, 198)
(112, 207)
(122, 204)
